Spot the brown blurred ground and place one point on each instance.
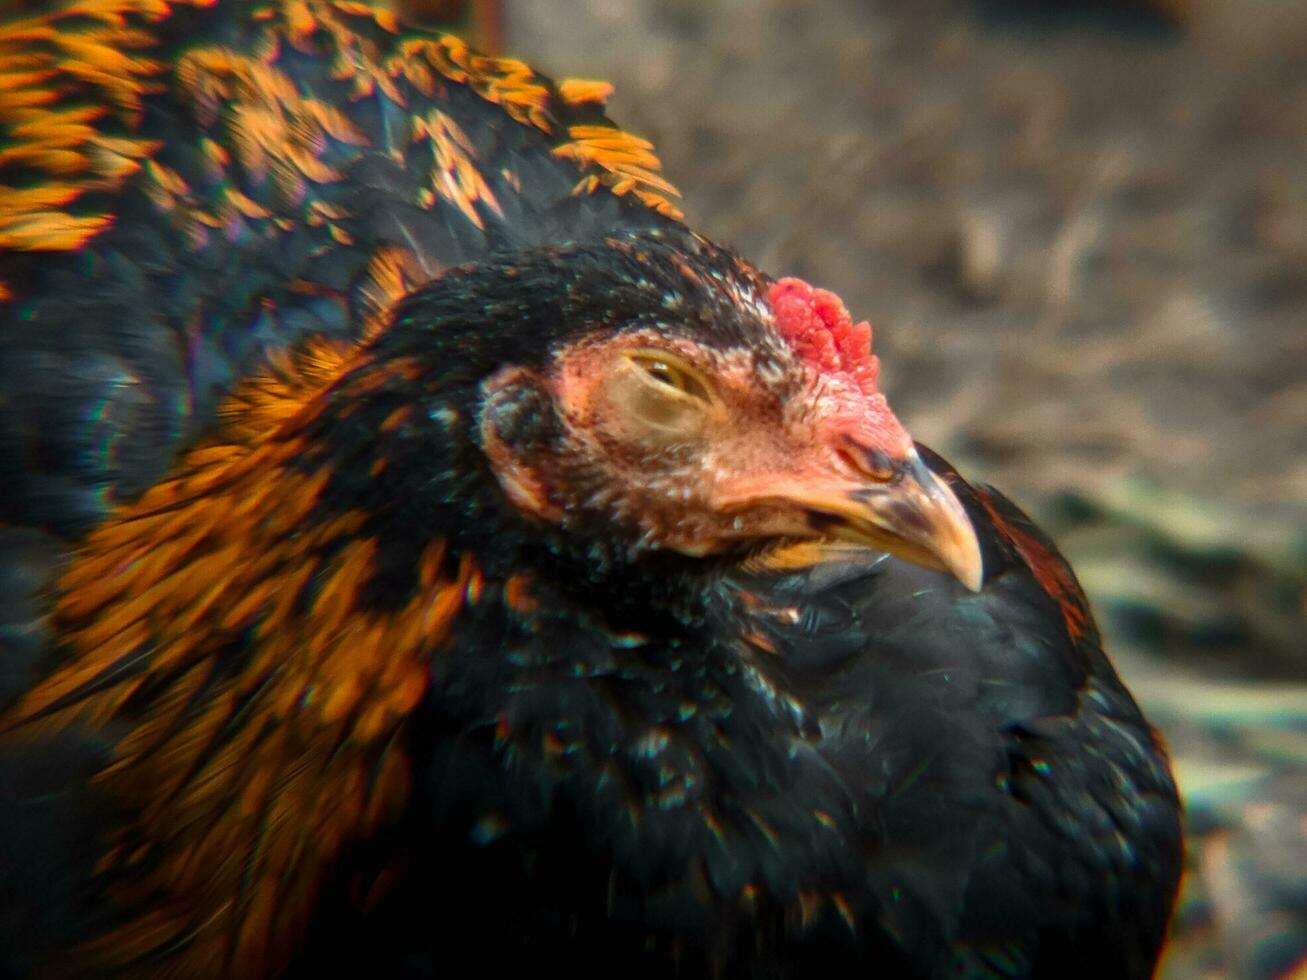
(1082, 242)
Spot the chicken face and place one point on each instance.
(681, 439)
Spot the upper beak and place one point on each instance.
(914, 515)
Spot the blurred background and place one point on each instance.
(1080, 233)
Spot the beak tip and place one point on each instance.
(953, 538)
(970, 570)
(956, 547)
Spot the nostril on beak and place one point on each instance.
(867, 461)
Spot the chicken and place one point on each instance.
(422, 549)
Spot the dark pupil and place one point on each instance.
(661, 373)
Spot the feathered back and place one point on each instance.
(186, 187)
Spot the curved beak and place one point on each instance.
(914, 515)
(897, 506)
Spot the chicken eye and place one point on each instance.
(658, 399)
(666, 372)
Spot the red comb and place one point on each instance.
(816, 324)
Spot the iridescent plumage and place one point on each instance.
(310, 663)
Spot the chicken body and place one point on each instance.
(399, 649)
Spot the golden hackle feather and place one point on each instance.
(268, 740)
(628, 162)
(72, 84)
(455, 176)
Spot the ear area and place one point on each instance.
(519, 430)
